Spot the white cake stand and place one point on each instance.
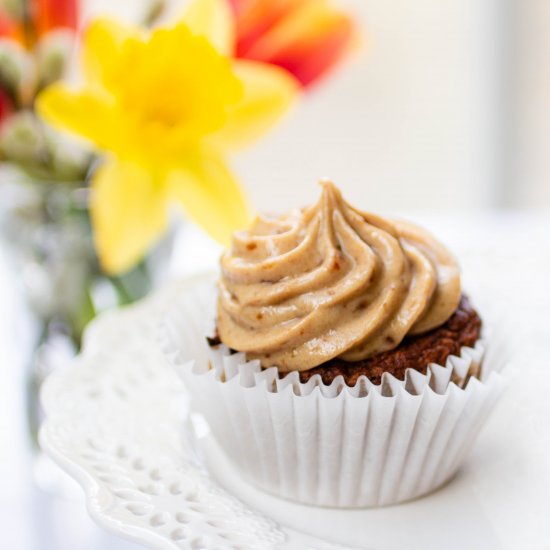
(117, 423)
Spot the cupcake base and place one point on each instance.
(341, 446)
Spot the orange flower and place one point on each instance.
(305, 37)
(47, 15)
(8, 27)
(43, 16)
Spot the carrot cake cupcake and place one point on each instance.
(347, 368)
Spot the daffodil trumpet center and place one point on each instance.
(198, 89)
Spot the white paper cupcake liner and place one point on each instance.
(333, 445)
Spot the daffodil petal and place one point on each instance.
(268, 93)
(212, 19)
(210, 195)
(103, 43)
(79, 112)
(128, 209)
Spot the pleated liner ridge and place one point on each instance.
(334, 445)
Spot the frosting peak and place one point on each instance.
(330, 281)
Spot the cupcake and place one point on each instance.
(347, 366)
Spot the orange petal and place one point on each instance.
(10, 28)
(315, 53)
(306, 38)
(47, 15)
(256, 17)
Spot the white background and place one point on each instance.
(444, 105)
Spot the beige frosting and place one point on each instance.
(331, 281)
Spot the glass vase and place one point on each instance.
(46, 232)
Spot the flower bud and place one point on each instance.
(69, 158)
(21, 139)
(53, 53)
(17, 71)
(155, 9)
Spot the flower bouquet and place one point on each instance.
(108, 128)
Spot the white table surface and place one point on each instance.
(506, 265)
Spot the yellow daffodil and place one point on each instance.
(166, 105)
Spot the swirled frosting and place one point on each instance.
(331, 281)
